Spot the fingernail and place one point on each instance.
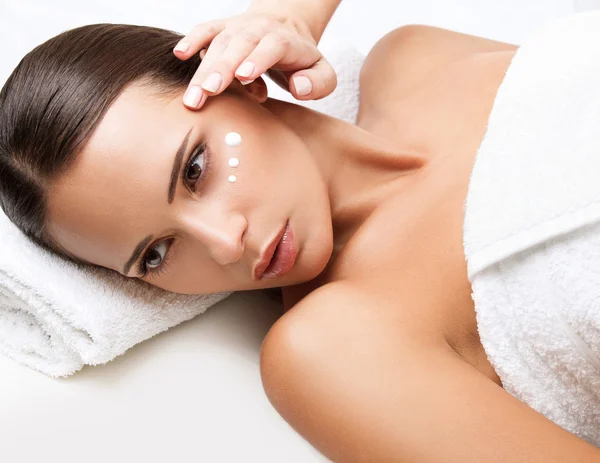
(192, 96)
(182, 47)
(246, 82)
(303, 85)
(245, 69)
(202, 100)
(212, 82)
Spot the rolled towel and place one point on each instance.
(532, 226)
(56, 317)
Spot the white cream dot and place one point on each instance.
(234, 162)
(232, 178)
(233, 139)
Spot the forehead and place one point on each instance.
(120, 179)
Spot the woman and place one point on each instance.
(377, 357)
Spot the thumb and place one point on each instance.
(314, 83)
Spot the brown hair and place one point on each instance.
(57, 95)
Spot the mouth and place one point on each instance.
(279, 257)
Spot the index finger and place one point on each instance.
(198, 38)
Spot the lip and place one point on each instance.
(267, 254)
(284, 256)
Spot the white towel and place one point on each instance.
(56, 318)
(532, 226)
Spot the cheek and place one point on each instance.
(193, 271)
(241, 128)
(242, 155)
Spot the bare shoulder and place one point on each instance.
(404, 58)
(316, 325)
(318, 356)
(360, 388)
(332, 314)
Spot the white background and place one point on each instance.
(193, 394)
(25, 23)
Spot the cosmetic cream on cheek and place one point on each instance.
(233, 139)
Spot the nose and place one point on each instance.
(220, 231)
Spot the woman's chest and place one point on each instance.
(418, 228)
(409, 253)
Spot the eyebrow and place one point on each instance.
(177, 165)
(136, 253)
(171, 195)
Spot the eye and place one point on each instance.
(197, 166)
(155, 262)
(155, 256)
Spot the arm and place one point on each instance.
(316, 13)
(359, 387)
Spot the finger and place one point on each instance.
(277, 50)
(195, 96)
(270, 50)
(213, 54)
(199, 37)
(314, 83)
(240, 46)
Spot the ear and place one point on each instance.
(256, 89)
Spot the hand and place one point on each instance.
(250, 44)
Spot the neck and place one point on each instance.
(357, 166)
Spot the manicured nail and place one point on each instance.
(182, 47)
(192, 96)
(303, 85)
(213, 82)
(245, 69)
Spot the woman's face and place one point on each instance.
(203, 234)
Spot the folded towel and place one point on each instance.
(532, 226)
(56, 317)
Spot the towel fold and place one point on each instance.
(56, 317)
(532, 226)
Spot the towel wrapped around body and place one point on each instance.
(532, 226)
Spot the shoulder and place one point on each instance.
(319, 326)
(358, 388)
(316, 324)
(424, 36)
(427, 45)
(317, 359)
(405, 56)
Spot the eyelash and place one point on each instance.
(156, 272)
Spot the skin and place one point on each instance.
(377, 356)
(275, 37)
(116, 193)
